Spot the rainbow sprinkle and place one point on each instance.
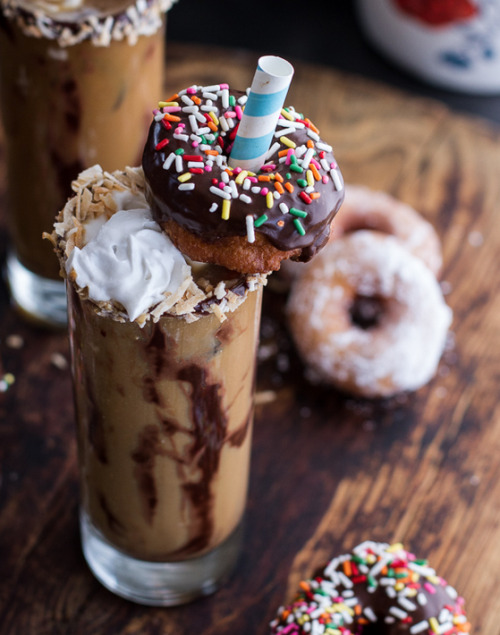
(330, 602)
(205, 121)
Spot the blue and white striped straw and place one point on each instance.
(265, 101)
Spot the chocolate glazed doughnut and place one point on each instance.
(376, 589)
(245, 221)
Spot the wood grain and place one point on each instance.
(328, 471)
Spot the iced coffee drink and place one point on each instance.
(165, 266)
(163, 353)
(72, 73)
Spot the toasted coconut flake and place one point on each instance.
(94, 198)
(142, 17)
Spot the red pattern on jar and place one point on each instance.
(439, 12)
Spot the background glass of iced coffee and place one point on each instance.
(72, 73)
(164, 406)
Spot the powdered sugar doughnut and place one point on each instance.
(364, 208)
(368, 316)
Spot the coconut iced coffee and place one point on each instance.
(163, 347)
(164, 362)
(72, 73)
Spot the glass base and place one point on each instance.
(39, 299)
(158, 583)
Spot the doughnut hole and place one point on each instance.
(354, 220)
(367, 311)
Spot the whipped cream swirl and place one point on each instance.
(130, 260)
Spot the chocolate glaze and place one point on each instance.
(65, 172)
(209, 419)
(72, 105)
(238, 288)
(71, 114)
(208, 434)
(95, 425)
(226, 332)
(210, 426)
(170, 427)
(190, 209)
(114, 524)
(398, 596)
(148, 448)
(380, 602)
(150, 392)
(83, 376)
(237, 438)
(158, 352)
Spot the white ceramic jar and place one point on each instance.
(454, 44)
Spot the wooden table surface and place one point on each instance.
(328, 470)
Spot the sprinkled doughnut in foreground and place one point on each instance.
(377, 588)
(229, 216)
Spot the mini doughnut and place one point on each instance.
(377, 588)
(364, 208)
(368, 316)
(244, 221)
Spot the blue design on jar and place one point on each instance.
(478, 39)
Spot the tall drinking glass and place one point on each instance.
(164, 408)
(72, 73)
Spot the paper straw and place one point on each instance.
(258, 122)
